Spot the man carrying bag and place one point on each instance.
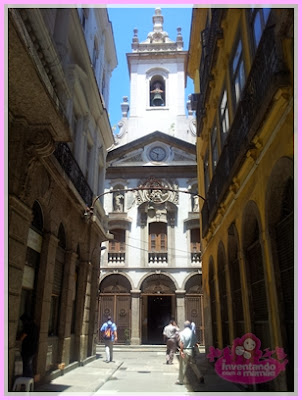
(109, 331)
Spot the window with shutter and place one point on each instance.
(158, 251)
(158, 237)
(117, 246)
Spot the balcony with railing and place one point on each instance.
(267, 75)
(69, 164)
(209, 37)
(116, 258)
(196, 257)
(157, 258)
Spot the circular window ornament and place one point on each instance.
(192, 126)
(194, 313)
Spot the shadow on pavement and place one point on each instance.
(51, 387)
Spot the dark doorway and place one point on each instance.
(159, 314)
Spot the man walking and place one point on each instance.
(109, 336)
(187, 341)
(170, 333)
(30, 341)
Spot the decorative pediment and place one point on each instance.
(133, 157)
(180, 155)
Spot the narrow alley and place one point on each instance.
(137, 370)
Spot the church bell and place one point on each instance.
(157, 100)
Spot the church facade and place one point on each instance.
(151, 268)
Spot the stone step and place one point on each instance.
(142, 347)
(130, 347)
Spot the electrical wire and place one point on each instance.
(147, 250)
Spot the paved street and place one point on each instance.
(137, 370)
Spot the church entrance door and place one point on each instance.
(157, 312)
(158, 307)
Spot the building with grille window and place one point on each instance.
(59, 67)
(151, 268)
(241, 61)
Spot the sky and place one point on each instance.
(124, 20)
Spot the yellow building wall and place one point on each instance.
(273, 141)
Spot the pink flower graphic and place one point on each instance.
(245, 363)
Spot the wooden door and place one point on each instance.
(119, 307)
(194, 312)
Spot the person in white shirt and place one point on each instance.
(187, 342)
(193, 327)
(170, 334)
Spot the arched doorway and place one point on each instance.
(280, 214)
(252, 247)
(158, 307)
(115, 300)
(222, 282)
(213, 304)
(194, 305)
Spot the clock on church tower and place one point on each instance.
(157, 153)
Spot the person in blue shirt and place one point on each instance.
(109, 331)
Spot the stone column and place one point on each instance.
(44, 291)
(80, 331)
(93, 318)
(67, 294)
(135, 317)
(180, 307)
(84, 347)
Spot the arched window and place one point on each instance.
(157, 92)
(32, 263)
(280, 212)
(75, 289)
(284, 231)
(256, 277)
(235, 281)
(223, 295)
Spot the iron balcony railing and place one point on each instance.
(266, 76)
(209, 37)
(67, 161)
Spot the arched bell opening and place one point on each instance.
(157, 92)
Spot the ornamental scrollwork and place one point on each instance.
(161, 191)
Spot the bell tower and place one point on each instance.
(157, 70)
